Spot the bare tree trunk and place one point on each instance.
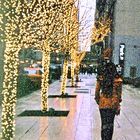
(9, 92)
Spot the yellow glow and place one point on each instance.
(102, 30)
(72, 66)
(27, 24)
(64, 76)
(45, 77)
(30, 24)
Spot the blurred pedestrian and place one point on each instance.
(108, 94)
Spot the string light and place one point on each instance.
(39, 24)
(9, 92)
(72, 66)
(25, 24)
(64, 76)
(8, 31)
(101, 29)
(45, 75)
(79, 57)
(69, 35)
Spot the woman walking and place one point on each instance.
(108, 94)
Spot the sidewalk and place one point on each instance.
(83, 120)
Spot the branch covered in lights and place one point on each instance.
(100, 30)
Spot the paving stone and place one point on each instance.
(83, 120)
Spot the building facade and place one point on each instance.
(126, 43)
(105, 10)
(124, 37)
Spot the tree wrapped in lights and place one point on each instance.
(24, 24)
(72, 28)
(39, 26)
(101, 29)
(68, 34)
(48, 16)
(74, 43)
(64, 75)
(79, 57)
(72, 66)
(9, 91)
(71, 31)
(9, 32)
(45, 75)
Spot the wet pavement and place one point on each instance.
(83, 120)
